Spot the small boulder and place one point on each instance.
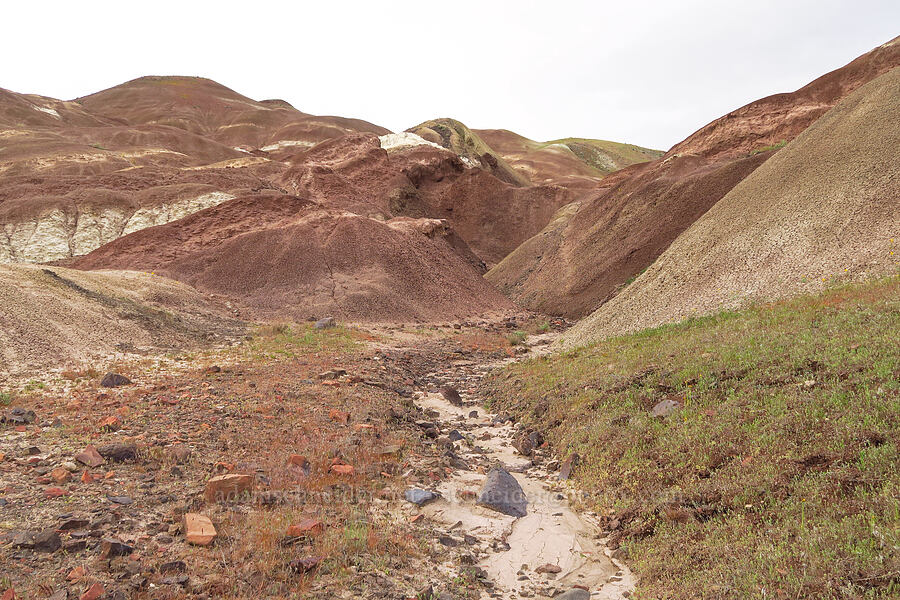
(420, 497)
(452, 396)
(111, 380)
(111, 548)
(118, 452)
(575, 594)
(565, 470)
(95, 592)
(305, 565)
(198, 529)
(665, 408)
(548, 568)
(307, 528)
(501, 492)
(90, 457)
(47, 541)
(326, 323)
(228, 488)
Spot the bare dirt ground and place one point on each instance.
(320, 434)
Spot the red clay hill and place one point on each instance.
(287, 213)
(593, 247)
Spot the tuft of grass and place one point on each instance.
(6, 398)
(779, 474)
(780, 144)
(288, 341)
(516, 338)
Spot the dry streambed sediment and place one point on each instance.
(551, 550)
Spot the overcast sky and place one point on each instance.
(646, 72)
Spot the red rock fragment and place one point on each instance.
(198, 529)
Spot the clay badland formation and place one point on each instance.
(247, 352)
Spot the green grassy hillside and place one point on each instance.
(775, 477)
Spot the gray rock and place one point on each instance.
(47, 541)
(665, 408)
(420, 497)
(111, 380)
(575, 594)
(326, 323)
(118, 452)
(501, 492)
(451, 395)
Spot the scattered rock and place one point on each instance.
(343, 469)
(175, 566)
(123, 500)
(111, 380)
(305, 565)
(420, 497)
(111, 547)
(307, 528)
(452, 396)
(19, 416)
(548, 568)
(501, 492)
(565, 470)
(55, 492)
(665, 408)
(575, 594)
(180, 453)
(60, 594)
(60, 475)
(228, 488)
(198, 529)
(455, 436)
(526, 443)
(118, 452)
(473, 414)
(95, 592)
(89, 457)
(47, 541)
(326, 323)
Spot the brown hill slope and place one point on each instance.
(594, 249)
(825, 207)
(56, 316)
(207, 108)
(287, 257)
(571, 162)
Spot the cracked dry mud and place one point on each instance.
(551, 533)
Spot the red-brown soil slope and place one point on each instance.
(591, 250)
(354, 173)
(207, 108)
(781, 117)
(824, 208)
(287, 257)
(571, 162)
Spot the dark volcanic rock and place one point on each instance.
(47, 541)
(501, 492)
(111, 380)
(326, 323)
(118, 452)
(111, 547)
(451, 396)
(420, 497)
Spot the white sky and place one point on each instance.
(648, 72)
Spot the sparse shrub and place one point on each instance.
(516, 338)
(6, 398)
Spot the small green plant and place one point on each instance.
(516, 338)
(544, 327)
(780, 144)
(6, 398)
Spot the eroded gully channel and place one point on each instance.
(522, 554)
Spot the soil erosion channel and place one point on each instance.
(551, 549)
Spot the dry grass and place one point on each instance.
(777, 478)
